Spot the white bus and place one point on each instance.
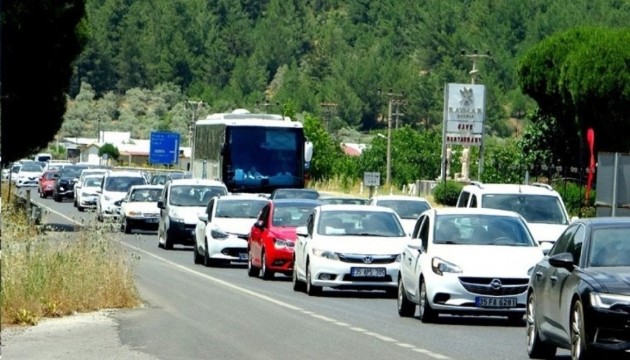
(254, 153)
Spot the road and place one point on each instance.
(194, 312)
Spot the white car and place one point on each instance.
(222, 230)
(467, 262)
(87, 194)
(29, 174)
(84, 173)
(349, 247)
(181, 203)
(408, 208)
(139, 210)
(114, 187)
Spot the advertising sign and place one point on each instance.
(464, 114)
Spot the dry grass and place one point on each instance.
(44, 275)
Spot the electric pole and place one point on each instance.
(391, 98)
(329, 109)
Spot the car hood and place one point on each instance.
(237, 226)
(89, 189)
(615, 280)
(29, 174)
(361, 244)
(285, 233)
(142, 206)
(489, 260)
(190, 214)
(546, 232)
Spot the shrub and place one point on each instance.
(446, 193)
(573, 196)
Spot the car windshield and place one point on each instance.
(92, 181)
(50, 175)
(15, 168)
(71, 172)
(158, 179)
(145, 195)
(194, 195)
(122, 183)
(296, 194)
(406, 209)
(478, 229)
(31, 167)
(291, 215)
(610, 247)
(343, 200)
(534, 208)
(239, 208)
(359, 223)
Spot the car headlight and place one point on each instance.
(176, 219)
(398, 258)
(441, 266)
(134, 213)
(607, 301)
(325, 254)
(530, 271)
(218, 234)
(283, 244)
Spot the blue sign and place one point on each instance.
(164, 148)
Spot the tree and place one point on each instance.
(40, 40)
(581, 79)
(110, 150)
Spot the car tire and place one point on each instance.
(57, 198)
(252, 271)
(207, 261)
(297, 284)
(127, 228)
(427, 313)
(160, 238)
(580, 348)
(406, 308)
(196, 256)
(168, 242)
(311, 290)
(265, 273)
(536, 348)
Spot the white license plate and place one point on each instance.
(368, 272)
(488, 302)
(243, 256)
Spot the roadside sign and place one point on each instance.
(371, 179)
(164, 148)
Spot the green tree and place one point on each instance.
(110, 150)
(40, 40)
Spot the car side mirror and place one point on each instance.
(160, 204)
(301, 231)
(574, 218)
(562, 260)
(99, 191)
(118, 203)
(259, 224)
(416, 246)
(203, 217)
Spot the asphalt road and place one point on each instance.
(194, 312)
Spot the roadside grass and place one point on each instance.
(353, 187)
(57, 274)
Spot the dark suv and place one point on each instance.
(64, 184)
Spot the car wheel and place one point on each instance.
(580, 349)
(427, 314)
(297, 284)
(207, 261)
(536, 348)
(80, 208)
(127, 226)
(57, 198)
(196, 256)
(168, 242)
(265, 273)
(160, 238)
(405, 307)
(311, 290)
(516, 319)
(252, 271)
(41, 193)
(74, 202)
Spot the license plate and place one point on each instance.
(368, 272)
(488, 302)
(243, 256)
(152, 220)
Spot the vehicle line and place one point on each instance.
(277, 302)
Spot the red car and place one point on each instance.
(272, 238)
(46, 183)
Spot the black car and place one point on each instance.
(579, 294)
(290, 193)
(64, 183)
(162, 178)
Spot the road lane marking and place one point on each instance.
(265, 297)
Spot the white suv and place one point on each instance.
(114, 187)
(540, 205)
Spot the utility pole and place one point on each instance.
(397, 114)
(474, 73)
(265, 104)
(329, 109)
(391, 98)
(194, 106)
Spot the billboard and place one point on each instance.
(164, 148)
(464, 114)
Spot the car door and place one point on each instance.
(410, 261)
(544, 284)
(164, 210)
(202, 228)
(258, 233)
(301, 246)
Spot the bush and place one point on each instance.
(573, 196)
(446, 193)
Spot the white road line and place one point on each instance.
(267, 298)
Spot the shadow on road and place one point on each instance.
(59, 227)
(478, 321)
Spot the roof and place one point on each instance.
(399, 197)
(352, 207)
(541, 189)
(148, 186)
(111, 173)
(473, 211)
(296, 201)
(241, 196)
(606, 220)
(352, 149)
(197, 182)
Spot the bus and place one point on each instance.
(251, 153)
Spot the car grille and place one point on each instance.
(385, 279)
(494, 286)
(233, 251)
(367, 259)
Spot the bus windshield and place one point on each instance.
(265, 156)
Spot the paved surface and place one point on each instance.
(77, 337)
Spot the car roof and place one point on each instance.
(242, 196)
(353, 207)
(605, 220)
(536, 188)
(196, 182)
(147, 186)
(399, 197)
(296, 201)
(91, 175)
(469, 211)
(130, 173)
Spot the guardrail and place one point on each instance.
(34, 211)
